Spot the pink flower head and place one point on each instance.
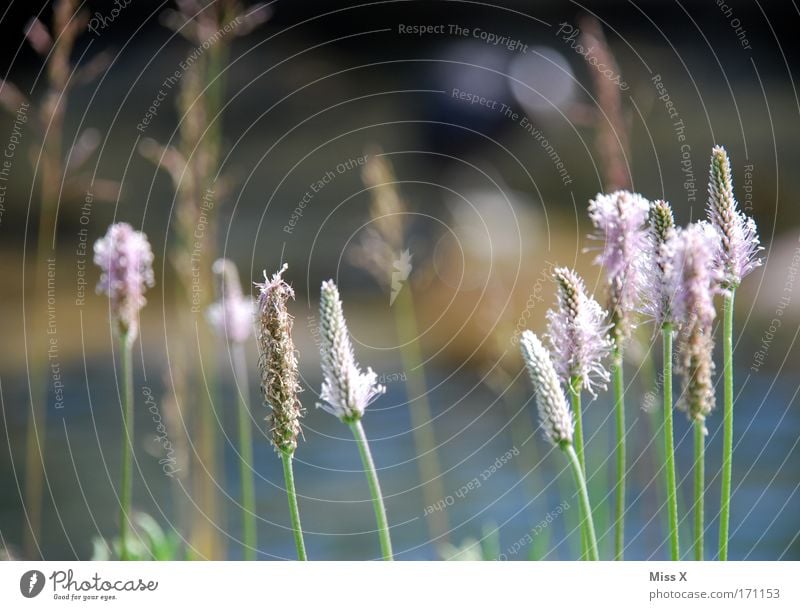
(620, 221)
(126, 271)
(578, 333)
(696, 249)
(232, 315)
(739, 245)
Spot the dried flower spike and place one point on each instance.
(346, 391)
(739, 243)
(620, 220)
(696, 248)
(232, 315)
(554, 413)
(278, 361)
(126, 263)
(578, 333)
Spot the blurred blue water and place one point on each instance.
(473, 430)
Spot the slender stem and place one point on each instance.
(127, 444)
(586, 507)
(619, 409)
(727, 423)
(291, 493)
(699, 482)
(405, 319)
(669, 445)
(575, 398)
(249, 530)
(374, 487)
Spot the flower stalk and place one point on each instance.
(660, 291)
(126, 485)
(737, 256)
(374, 488)
(669, 444)
(231, 317)
(558, 424)
(620, 450)
(280, 385)
(620, 222)
(126, 271)
(699, 487)
(346, 393)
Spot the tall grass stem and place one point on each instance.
(669, 445)
(727, 423)
(699, 483)
(375, 489)
(619, 410)
(575, 399)
(291, 493)
(586, 507)
(249, 526)
(421, 419)
(126, 493)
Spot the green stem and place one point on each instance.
(291, 493)
(249, 529)
(669, 445)
(575, 399)
(374, 487)
(586, 508)
(727, 423)
(405, 318)
(699, 481)
(127, 444)
(619, 410)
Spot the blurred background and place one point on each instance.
(435, 159)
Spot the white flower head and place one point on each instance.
(554, 413)
(346, 390)
(231, 316)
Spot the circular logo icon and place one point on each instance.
(31, 583)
